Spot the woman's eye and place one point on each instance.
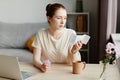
(58, 18)
(65, 18)
(61, 18)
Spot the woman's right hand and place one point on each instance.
(44, 67)
(76, 47)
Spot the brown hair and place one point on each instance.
(52, 8)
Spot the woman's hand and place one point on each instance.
(44, 67)
(76, 47)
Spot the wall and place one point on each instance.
(28, 10)
(34, 10)
(92, 7)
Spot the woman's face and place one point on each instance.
(59, 19)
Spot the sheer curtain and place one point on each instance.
(112, 17)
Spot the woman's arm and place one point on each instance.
(36, 57)
(37, 60)
(73, 57)
(74, 54)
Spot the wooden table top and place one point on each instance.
(64, 72)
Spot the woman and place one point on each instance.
(54, 42)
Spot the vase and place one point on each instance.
(104, 72)
(79, 5)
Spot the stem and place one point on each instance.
(104, 67)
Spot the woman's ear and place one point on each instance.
(48, 18)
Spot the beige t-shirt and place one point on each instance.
(56, 50)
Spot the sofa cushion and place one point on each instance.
(14, 35)
(23, 54)
(29, 43)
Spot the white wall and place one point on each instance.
(21, 11)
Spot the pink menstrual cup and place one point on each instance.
(47, 62)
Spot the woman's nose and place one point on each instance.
(62, 21)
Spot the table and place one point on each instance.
(64, 72)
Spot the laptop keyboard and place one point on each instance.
(26, 74)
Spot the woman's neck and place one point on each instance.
(56, 33)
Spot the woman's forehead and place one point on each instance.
(60, 12)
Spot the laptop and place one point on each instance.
(10, 69)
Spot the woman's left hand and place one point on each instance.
(76, 47)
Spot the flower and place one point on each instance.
(110, 56)
(111, 53)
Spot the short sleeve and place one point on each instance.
(74, 32)
(37, 43)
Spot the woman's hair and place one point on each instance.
(52, 8)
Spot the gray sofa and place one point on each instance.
(13, 37)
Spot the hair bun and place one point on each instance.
(48, 7)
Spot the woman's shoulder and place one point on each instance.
(42, 30)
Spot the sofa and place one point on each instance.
(13, 38)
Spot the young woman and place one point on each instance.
(54, 43)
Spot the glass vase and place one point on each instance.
(104, 72)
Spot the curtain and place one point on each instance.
(112, 17)
(102, 27)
